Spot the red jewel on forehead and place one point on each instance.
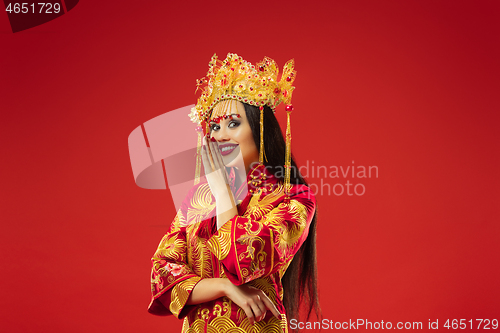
(226, 116)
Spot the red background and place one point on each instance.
(409, 86)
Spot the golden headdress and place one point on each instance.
(237, 79)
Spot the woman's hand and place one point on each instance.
(215, 172)
(252, 300)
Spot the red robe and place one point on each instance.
(255, 247)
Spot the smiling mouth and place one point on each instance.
(227, 149)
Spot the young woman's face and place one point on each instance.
(234, 132)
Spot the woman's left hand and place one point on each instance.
(254, 302)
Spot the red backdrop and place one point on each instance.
(411, 87)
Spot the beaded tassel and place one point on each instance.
(288, 155)
(261, 152)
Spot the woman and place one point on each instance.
(240, 255)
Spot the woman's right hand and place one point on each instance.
(252, 300)
(215, 171)
(216, 175)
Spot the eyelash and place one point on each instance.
(236, 124)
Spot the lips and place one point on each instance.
(227, 148)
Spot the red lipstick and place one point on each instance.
(227, 148)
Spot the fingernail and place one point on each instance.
(212, 139)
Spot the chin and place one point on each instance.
(229, 161)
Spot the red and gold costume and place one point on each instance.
(255, 247)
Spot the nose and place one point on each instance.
(221, 135)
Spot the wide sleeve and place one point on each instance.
(259, 244)
(172, 279)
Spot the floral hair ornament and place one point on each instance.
(237, 79)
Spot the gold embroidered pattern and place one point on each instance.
(266, 285)
(202, 203)
(220, 244)
(199, 256)
(180, 294)
(260, 205)
(171, 248)
(291, 232)
(225, 325)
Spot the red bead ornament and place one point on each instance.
(289, 108)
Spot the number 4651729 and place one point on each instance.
(484, 324)
(40, 8)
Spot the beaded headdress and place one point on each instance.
(235, 78)
(238, 79)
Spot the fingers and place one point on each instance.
(270, 305)
(209, 154)
(217, 159)
(249, 313)
(214, 150)
(205, 159)
(258, 309)
(261, 309)
(257, 306)
(254, 310)
(253, 301)
(220, 163)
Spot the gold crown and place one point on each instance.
(237, 79)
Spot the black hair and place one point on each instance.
(300, 280)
